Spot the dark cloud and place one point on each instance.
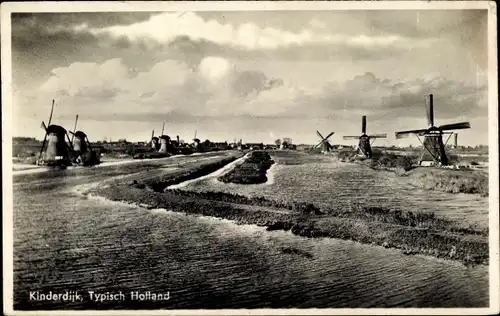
(92, 19)
(383, 97)
(247, 82)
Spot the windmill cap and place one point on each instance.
(80, 134)
(56, 129)
(164, 137)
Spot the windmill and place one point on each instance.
(196, 141)
(55, 151)
(434, 148)
(154, 142)
(364, 144)
(82, 149)
(324, 143)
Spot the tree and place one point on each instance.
(278, 142)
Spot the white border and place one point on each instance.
(7, 8)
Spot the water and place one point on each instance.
(66, 241)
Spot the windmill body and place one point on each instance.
(80, 142)
(155, 144)
(82, 150)
(365, 141)
(55, 151)
(164, 144)
(433, 146)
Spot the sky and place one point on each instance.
(250, 75)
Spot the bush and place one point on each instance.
(305, 208)
(130, 150)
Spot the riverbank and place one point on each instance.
(411, 232)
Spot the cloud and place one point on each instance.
(369, 94)
(216, 87)
(167, 27)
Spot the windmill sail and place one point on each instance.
(74, 129)
(51, 112)
(430, 110)
(363, 124)
(378, 136)
(404, 134)
(350, 137)
(447, 127)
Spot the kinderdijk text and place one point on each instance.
(72, 296)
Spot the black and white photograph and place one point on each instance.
(250, 157)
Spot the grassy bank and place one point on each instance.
(412, 232)
(451, 181)
(446, 180)
(159, 184)
(252, 171)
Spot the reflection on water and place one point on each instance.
(64, 241)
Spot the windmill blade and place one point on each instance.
(74, 129)
(429, 106)
(44, 141)
(447, 127)
(162, 128)
(363, 124)
(320, 143)
(51, 111)
(195, 132)
(319, 134)
(70, 146)
(329, 135)
(152, 135)
(44, 126)
(378, 136)
(350, 137)
(88, 142)
(404, 134)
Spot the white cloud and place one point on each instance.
(165, 27)
(217, 87)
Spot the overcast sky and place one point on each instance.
(251, 75)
